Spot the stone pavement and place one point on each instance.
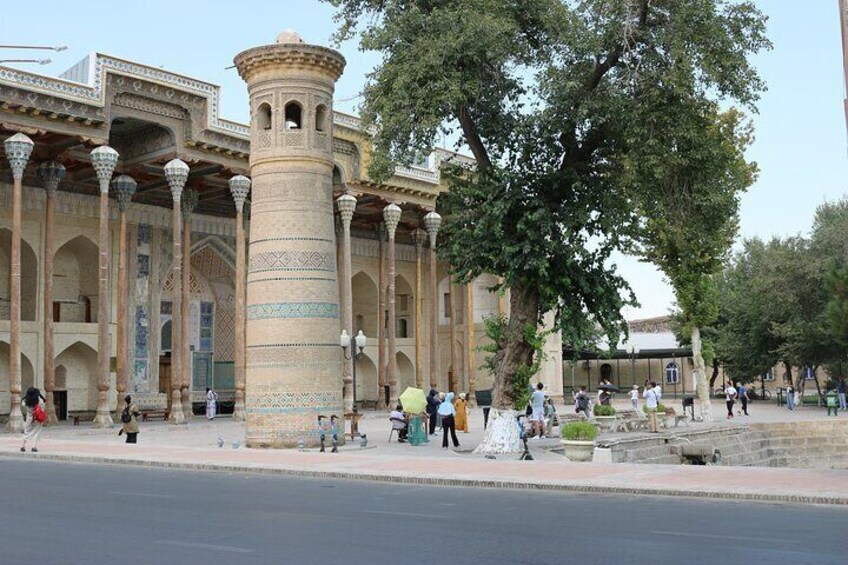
(195, 447)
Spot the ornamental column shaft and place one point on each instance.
(470, 369)
(124, 187)
(239, 188)
(347, 205)
(381, 317)
(104, 159)
(176, 172)
(454, 373)
(18, 149)
(419, 237)
(391, 215)
(51, 173)
(187, 205)
(432, 221)
(294, 371)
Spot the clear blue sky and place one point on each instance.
(801, 137)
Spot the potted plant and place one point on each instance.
(605, 416)
(578, 439)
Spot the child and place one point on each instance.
(634, 397)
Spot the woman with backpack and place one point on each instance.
(129, 419)
(35, 417)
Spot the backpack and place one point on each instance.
(38, 414)
(126, 418)
(582, 402)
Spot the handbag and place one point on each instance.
(38, 414)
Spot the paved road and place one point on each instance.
(65, 513)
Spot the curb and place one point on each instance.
(436, 481)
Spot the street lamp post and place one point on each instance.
(633, 351)
(358, 347)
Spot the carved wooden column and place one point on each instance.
(104, 159)
(187, 205)
(419, 237)
(454, 373)
(124, 187)
(176, 172)
(470, 368)
(18, 149)
(239, 188)
(381, 317)
(432, 221)
(347, 206)
(51, 174)
(391, 216)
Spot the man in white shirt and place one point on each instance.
(730, 398)
(537, 402)
(651, 402)
(398, 420)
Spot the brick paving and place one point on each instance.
(195, 447)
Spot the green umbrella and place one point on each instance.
(413, 400)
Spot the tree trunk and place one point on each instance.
(700, 374)
(818, 385)
(501, 435)
(714, 377)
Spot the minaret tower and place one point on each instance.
(294, 367)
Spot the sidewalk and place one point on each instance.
(194, 447)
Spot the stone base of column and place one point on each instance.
(239, 413)
(16, 420)
(51, 410)
(472, 401)
(176, 415)
(103, 419)
(188, 410)
(119, 402)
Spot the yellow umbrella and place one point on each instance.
(413, 400)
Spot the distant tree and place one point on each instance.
(550, 98)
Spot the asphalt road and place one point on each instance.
(65, 513)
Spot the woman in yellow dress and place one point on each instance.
(461, 413)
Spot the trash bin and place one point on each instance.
(484, 401)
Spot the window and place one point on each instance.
(263, 116)
(402, 328)
(320, 117)
(447, 305)
(293, 115)
(403, 302)
(768, 375)
(672, 374)
(809, 374)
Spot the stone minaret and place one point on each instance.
(294, 362)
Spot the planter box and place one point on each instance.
(578, 450)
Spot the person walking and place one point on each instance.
(790, 396)
(129, 420)
(35, 417)
(432, 409)
(742, 394)
(461, 405)
(729, 398)
(211, 403)
(537, 417)
(840, 391)
(582, 404)
(634, 397)
(448, 412)
(651, 403)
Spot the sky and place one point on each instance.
(801, 145)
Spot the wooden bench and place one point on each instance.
(77, 418)
(154, 413)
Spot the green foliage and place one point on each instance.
(557, 101)
(603, 410)
(520, 383)
(579, 431)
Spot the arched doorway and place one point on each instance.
(75, 284)
(365, 305)
(366, 379)
(404, 309)
(80, 369)
(29, 277)
(27, 375)
(405, 372)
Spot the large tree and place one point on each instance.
(691, 172)
(549, 97)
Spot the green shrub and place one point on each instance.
(579, 431)
(601, 410)
(660, 408)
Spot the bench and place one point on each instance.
(154, 413)
(77, 418)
